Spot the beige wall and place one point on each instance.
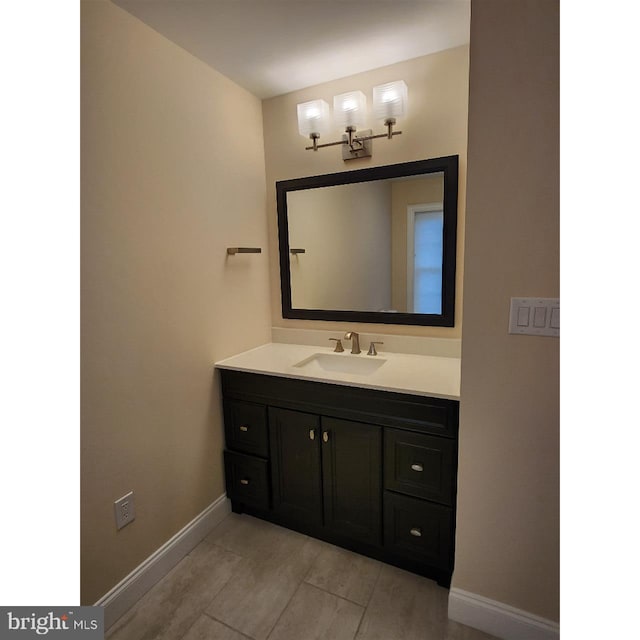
(167, 185)
(346, 232)
(436, 126)
(508, 481)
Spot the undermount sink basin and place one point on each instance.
(342, 363)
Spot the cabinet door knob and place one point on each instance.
(325, 436)
(244, 481)
(417, 467)
(244, 428)
(416, 531)
(312, 434)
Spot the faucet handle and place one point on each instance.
(372, 348)
(339, 348)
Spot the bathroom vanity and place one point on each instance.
(359, 450)
(361, 455)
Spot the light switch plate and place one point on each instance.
(535, 316)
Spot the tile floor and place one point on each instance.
(250, 579)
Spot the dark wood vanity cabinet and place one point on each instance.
(351, 462)
(372, 471)
(326, 472)
(296, 466)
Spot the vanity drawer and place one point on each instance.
(247, 479)
(418, 530)
(245, 426)
(419, 465)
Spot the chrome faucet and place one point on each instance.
(355, 341)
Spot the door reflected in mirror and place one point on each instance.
(378, 243)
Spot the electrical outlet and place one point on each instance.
(125, 509)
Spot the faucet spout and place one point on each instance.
(355, 341)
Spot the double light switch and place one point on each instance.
(535, 316)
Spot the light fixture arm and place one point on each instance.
(350, 131)
(389, 122)
(354, 139)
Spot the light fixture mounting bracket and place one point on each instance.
(358, 148)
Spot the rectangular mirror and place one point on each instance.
(372, 245)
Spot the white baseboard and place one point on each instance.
(129, 590)
(499, 619)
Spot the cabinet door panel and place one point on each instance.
(351, 465)
(295, 464)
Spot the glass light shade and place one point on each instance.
(350, 109)
(390, 100)
(314, 117)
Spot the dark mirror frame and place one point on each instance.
(448, 165)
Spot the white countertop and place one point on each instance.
(422, 375)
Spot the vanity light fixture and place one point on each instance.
(314, 119)
(350, 112)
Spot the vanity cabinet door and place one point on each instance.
(351, 471)
(296, 465)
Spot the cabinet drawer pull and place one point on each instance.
(244, 428)
(244, 481)
(417, 467)
(416, 531)
(312, 434)
(325, 436)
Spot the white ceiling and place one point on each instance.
(272, 47)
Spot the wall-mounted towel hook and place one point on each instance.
(233, 250)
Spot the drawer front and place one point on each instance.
(247, 479)
(419, 465)
(245, 426)
(418, 530)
